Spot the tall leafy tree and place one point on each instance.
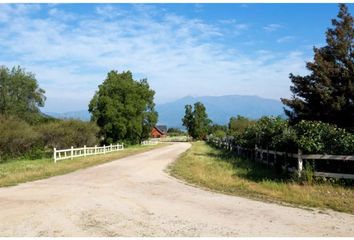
(196, 121)
(327, 93)
(188, 119)
(201, 121)
(20, 94)
(123, 108)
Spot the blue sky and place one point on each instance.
(182, 49)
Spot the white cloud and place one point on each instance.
(178, 55)
(272, 27)
(285, 39)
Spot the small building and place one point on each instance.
(159, 131)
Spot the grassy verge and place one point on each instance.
(218, 170)
(19, 171)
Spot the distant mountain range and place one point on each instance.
(83, 115)
(219, 109)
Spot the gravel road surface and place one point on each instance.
(134, 196)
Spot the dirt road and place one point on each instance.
(133, 196)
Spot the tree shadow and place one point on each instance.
(248, 168)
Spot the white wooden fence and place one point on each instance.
(176, 139)
(84, 151)
(152, 141)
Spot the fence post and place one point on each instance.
(84, 150)
(299, 162)
(72, 152)
(255, 152)
(267, 156)
(55, 155)
(111, 147)
(95, 149)
(104, 149)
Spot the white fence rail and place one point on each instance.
(153, 141)
(84, 151)
(176, 139)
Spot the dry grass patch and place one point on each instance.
(218, 170)
(19, 171)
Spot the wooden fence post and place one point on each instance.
(55, 154)
(299, 162)
(84, 150)
(95, 149)
(104, 149)
(255, 152)
(267, 156)
(111, 147)
(72, 152)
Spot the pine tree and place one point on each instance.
(327, 93)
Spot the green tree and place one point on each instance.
(217, 130)
(20, 94)
(196, 121)
(188, 119)
(327, 93)
(239, 124)
(123, 108)
(201, 121)
(175, 132)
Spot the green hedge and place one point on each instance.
(19, 139)
(67, 133)
(309, 136)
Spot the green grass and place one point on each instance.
(220, 171)
(22, 170)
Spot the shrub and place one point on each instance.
(172, 132)
(17, 138)
(263, 132)
(286, 141)
(319, 137)
(239, 124)
(67, 133)
(219, 133)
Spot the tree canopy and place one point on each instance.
(124, 108)
(327, 93)
(239, 124)
(20, 94)
(196, 121)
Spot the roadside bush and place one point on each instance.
(249, 138)
(269, 128)
(17, 138)
(286, 141)
(67, 133)
(319, 137)
(266, 132)
(173, 132)
(309, 136)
